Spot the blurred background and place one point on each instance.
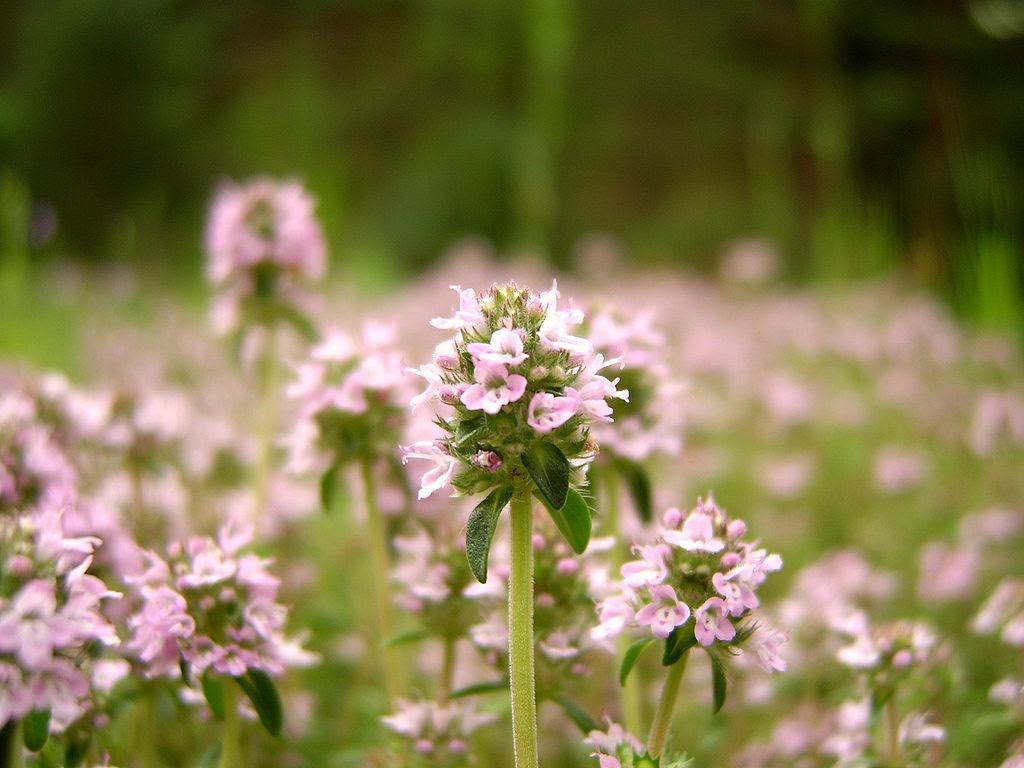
(857, 137)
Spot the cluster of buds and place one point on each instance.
(513, 376)
(439, 733)
(264, 243)
(699, 567)
(50, 620)
(352, 400)
(212, 607)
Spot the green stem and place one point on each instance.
(631, 700)
(147, 728)
(520, 629)
(663, 717)
(10, 745)
(381, 567)
(231, 745)
(892, 719)
(444, 686)
(268, 421)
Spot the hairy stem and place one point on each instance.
(379, 576)
(663, 717)
(520, 628)
(892, 721)
(231, 743)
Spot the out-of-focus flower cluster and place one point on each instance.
(352, 400)
(513, 374)
(212, 606)
(51, 622)
(438, 733)
(699, 566)
(264, 245)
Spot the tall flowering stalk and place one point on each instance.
(264, 247)
(519, 392)
(695, 586)
(352, 399)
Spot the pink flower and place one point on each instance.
(665, 612)
(712, 622)
(505, 348)
(738, 596)
(468, 314)
(548, 411)
(649, 570)
(697, 535)
(766, 644)
(613, 614)
(440, 474)
(494, 387)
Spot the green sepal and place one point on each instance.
(630, 657)
(577, 714)
(35, 729)
(480, 530)
(572, 520)
(549, 470)
(329, 487)
(638, 482)
(477, 688)
(677, 643)
(262, 692)
(213, 692)
(718, 683)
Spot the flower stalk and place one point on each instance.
(381, 568)
(231, 743)
(520, 625)
(663, 716)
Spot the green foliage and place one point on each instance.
(549, 470)
(480, 530)
(262, 692)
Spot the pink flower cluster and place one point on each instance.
(514, 356)
(439, 732)
(212, 606)
(351, 397)
(50, 613)
(651, 422)
(263, 242)
(34, 470)
(699, 567)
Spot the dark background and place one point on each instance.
(858, 136)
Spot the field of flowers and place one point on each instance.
(615, 518)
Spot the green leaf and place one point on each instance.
(577, 714)
(718, 683)
(572, 520)
(638, 482)
(35, 729)
(77, 749)
(405, 638)
(213, 690)
(262, 692)
(677, 643)
(630, 657)
(480, 530)
(477, 688)
(329, 487)
(549, 470)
